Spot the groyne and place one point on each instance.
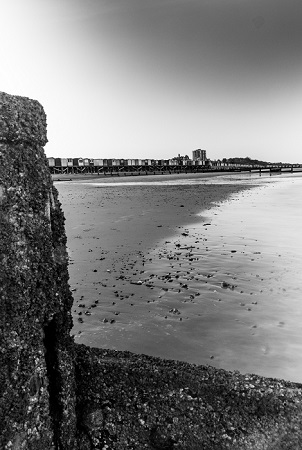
(55, 394)
(37, 403)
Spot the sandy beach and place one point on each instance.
(111, 231)
(200, 271)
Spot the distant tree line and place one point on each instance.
(245, 160)
(181, 158)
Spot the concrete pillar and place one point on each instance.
(37, 403)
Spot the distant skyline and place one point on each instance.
(155, 78)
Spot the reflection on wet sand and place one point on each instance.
(224, 290)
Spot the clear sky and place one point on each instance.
(154, 78)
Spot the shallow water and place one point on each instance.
(226, 291)
(193, 179)
(243, 305)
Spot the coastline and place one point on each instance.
(136, 177)
(111, 233)
(148, 262)
(164, 402)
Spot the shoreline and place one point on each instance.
(168, 403)
(111, 232)
(133, 248)
(136, 177)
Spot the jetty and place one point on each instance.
(164, 169)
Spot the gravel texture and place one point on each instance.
(129, 401)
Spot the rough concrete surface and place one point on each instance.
(36, 354)
(55, 394)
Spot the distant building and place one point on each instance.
(199, 155)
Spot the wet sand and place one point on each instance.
(152, 275)
(111, 231)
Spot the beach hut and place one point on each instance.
(51, 161)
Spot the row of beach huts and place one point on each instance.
(95, 162)
(95, 165)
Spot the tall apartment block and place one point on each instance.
(199, 155)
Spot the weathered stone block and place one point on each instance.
(36, 367)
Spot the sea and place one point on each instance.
(226, 291)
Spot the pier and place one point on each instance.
(134, 170)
